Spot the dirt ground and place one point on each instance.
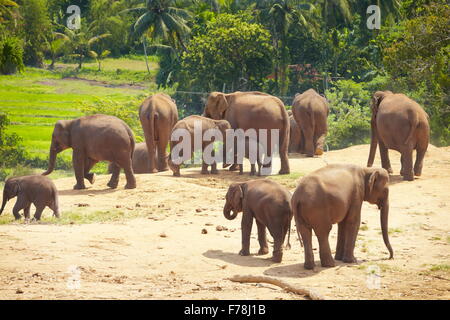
(164, 254)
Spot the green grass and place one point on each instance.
(440, 267)
(75, 217)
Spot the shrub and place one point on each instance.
(349, 119)
(11, 55)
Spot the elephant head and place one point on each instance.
(377, 192)
(216, 105)
(10, 191)
(234, 199)
(376, 100)
(60, 141)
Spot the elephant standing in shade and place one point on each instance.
(295, 137)
(158, 114)
(37, 190)
(95, 138)
(310, 111)
(401, 124)
(140, 161)
(188, 124)
(253, 110)
(334, 194)
(269, 204)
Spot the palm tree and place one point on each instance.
(336, 13)
(279, 15)
(161, 19)
(55, 45)
(81, 41)
(6, 9)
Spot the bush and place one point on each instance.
(11, 56)
(349, 119)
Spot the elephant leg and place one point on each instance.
(284, 156)
(55, 209)
(162, 151)
(262, 238)
(407, 165)
(340, 241)
(129, 174)
(115, 172)
(384, 154)
(306, 235)
(352, 223)
(246, 227)
(204, 168)
(241, 169)
(253, 169)
(326, 259)
(38, 213)
(79, 160)
(278, 240)
(214, 168)
(309, 141)
(420, 155)
(87, 167)
(26, 212)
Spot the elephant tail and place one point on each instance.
(296, 214)
(132, 141)
(413, 122)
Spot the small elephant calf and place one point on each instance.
(36, 189)
(270, 204)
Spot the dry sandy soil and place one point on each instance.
(163, 253)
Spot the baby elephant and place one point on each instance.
(334, 194)
(267, 202)
(38, 190)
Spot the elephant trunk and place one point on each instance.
(5, 200)
(52, 160)
(373, 143)
(227, 211)
(384, 213)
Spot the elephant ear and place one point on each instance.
(237, 197)
(221, 105)
(377, 98)
(15, 188)
(372, 180)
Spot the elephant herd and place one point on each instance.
(331, 195)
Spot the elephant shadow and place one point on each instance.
(298, 271)
(72, 192)
(225, 175)
(396, 178)
(235, 258)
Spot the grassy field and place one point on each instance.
(37, 98)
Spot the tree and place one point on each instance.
(231, 52)
(7, 10)
(99, 56)
(36, 27)
(81, 41)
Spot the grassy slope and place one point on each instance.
(38, 98)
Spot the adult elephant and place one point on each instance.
(94, 138)
(158, 114)
(253, 110)
(140, 162)
(399, 123)
(335, 194)
(310, 111)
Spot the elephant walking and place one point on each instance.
(334, 194)
(310, 111)
(253, 110)
(37, 190)
(94, 138)
(399, 123)
(158, 114)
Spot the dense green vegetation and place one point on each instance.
(126, 49)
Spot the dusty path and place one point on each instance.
(163, 254)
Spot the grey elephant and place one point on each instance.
(269, 204)
(35, 189)
(334, 194)
(399, 123)
(140, 161)
(94, 138)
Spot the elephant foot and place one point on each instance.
(253, 173)
(329, 263)
(79, 187)
(130, 185)
(234, 167)
(215, 171)
(112, 185)
(56, 215)
(263, 251)
(408, 177)
(309, 265)
(176, 174)
(90, 177)
(338, 257)
(417, 172)
(349, 260)
(204, 172)
(284, 171)
(244, 252)
(277, 256)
